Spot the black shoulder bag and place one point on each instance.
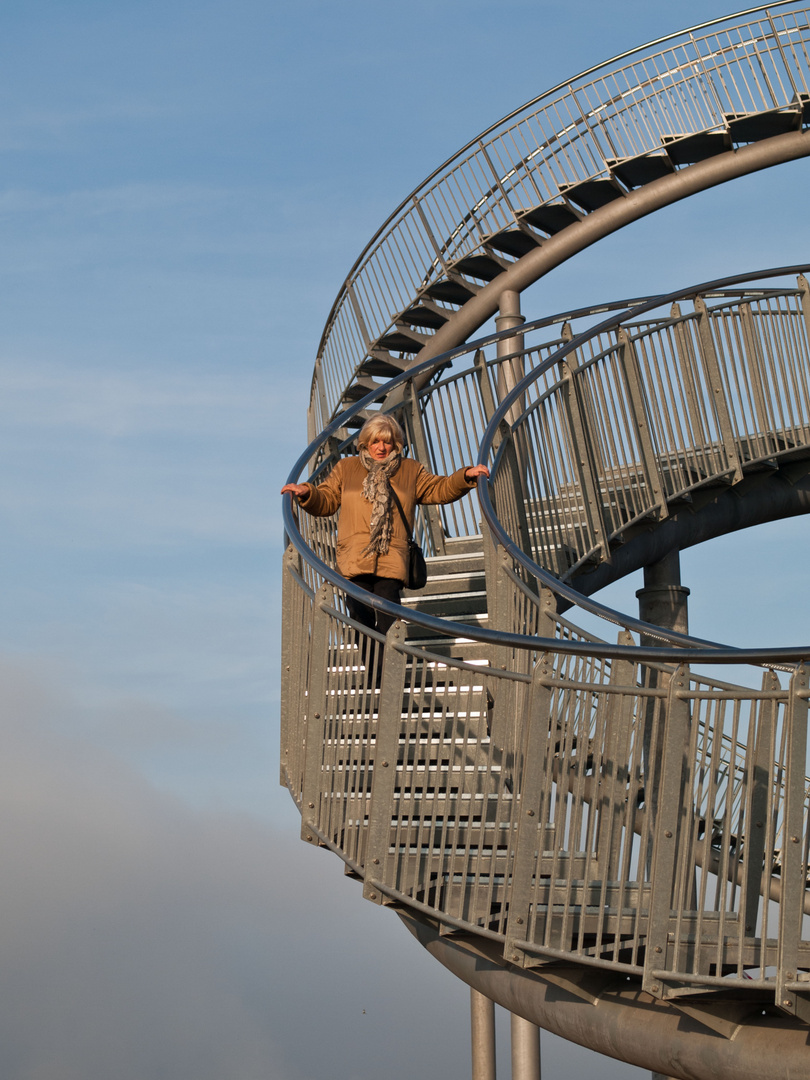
(417, 567)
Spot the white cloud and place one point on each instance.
(32, 129)
(51, 396)
(139, 938)
(119, 910)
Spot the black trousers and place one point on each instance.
(387, 588)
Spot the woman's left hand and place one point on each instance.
(475, 471)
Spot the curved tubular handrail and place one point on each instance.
(575, 132)
(431, 365)
(688, 649)
(546, 577)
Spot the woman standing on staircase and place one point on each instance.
(377, 492)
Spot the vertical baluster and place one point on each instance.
(671, 816)
(718, 388)
(532, 784)
(794, 867)
(313, 787)
(584, 462)
(431, 513)
(386, 763)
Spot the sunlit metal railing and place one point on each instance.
(579, 825)
(566, 797)
(620, 424)
(529, 172)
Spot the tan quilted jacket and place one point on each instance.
(343, 489)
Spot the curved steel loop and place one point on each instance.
(435, 363)
(718, 654)
(693, 650)
(573, 133)
(548, 579)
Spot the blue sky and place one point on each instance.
(183, 187)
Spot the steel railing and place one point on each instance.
(561, 795)
(625, 420)
(642, 103)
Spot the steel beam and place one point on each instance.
(608, 219)
(510, 371)
(482, 1036)
(625, 1023)
(525, 1049)
(714, 512)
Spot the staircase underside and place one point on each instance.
(714, 1036)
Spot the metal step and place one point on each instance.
(403, 341)
(458, 648)
(424, 315)
(636, 171)
(550, 217)
(690, 149)
(447, 604)
(751, 127)
(359, 388)
(461, 580)
(515, 242)
(461, 545)
(592, 194)
(451, 291)
(382, 365)
(483, 267)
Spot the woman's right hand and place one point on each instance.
(298, 490)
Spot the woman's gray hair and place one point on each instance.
(384, 425)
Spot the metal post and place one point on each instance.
(482, 1036)
(525, 1049)
(669, 828)
(717, 384)
(663, 599)
(510, 372)
(794, 860)
(313, 779)
(649, 460)
(488, 403)
(380, 859)
(431, 514)
(291, 656)
(587, 469)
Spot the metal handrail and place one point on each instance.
(528, 797)
(486, 453)
(685, 648)
(627, 107)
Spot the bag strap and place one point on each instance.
(398, 505)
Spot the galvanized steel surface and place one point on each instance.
(595, 816)
(581, 146)
(609, 812)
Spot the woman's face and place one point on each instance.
(380, 446)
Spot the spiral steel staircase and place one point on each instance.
(602, 836)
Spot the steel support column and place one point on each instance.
(510, 371)
(482, 1036)
(663, 600)
(525, 1049)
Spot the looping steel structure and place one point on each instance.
(564, 802)
(641, 131)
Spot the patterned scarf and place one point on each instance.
(377, 489)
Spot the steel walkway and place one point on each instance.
(590, 827)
